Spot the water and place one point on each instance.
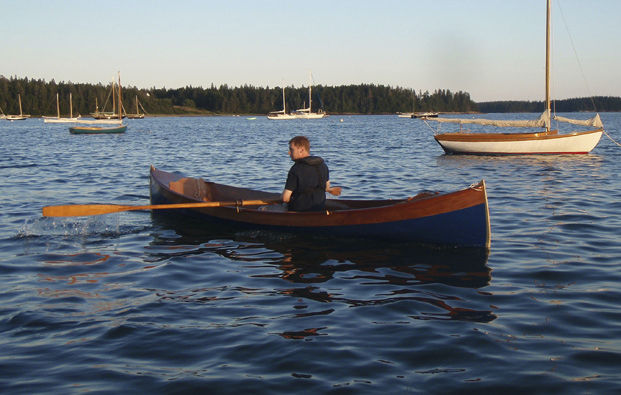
(131, 302)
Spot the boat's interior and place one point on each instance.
(201, 190)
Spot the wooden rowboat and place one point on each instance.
(458, 218)
(97, 129)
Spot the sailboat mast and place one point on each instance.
(283, 100)
(310, 89)
(57, 106)
(70, 106)
(120, 102)
(548, 64)
(19, 98)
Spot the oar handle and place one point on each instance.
(80, 210)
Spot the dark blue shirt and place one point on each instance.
(307, 180)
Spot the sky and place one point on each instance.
(492, 49)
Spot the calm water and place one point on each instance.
(132, 302)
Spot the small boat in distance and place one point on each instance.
(427, 114)
(282, 114)
(108, 114)
(544, 142)
(19, 117)
(458, 218)
(137, 115)
(57, 118)
(119, 128)
(306, 113)
(302, 113)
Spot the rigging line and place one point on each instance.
(611, 139)
(573, 47)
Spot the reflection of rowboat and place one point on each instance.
(459, 218)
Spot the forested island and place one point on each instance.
(39, 98)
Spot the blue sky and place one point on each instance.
(493, 49)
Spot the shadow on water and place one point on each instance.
(398, 271)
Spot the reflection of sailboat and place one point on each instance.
(545, 142)
(137, 115)
(119, 128)
(19, 117)
(57, 118)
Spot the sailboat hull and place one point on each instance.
(519, 143)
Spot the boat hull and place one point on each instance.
(97, 130)
(519, 143)
(60, 120)
(458, 219)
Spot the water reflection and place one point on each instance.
(359, 272)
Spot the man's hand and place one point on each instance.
(336, 191)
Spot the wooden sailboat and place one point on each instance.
(19, 117)
(110, 115)
(58, 118)
(119, 128)
(137, 115)
(545, 142)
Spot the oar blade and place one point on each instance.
(82, 210)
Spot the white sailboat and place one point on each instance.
(57, 118)
(545, 142)
(282, 114)
(302, 113)
(306, 113)
(19, 117)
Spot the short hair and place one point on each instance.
(300, 141)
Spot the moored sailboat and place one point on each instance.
(119, 128)
(545, 142)
(137, 115)
(282, 114)
(21, 115)
(306, 113)
(57, 118)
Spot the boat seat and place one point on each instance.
(194, 188)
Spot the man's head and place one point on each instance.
(299, 147)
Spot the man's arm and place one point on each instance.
(336, 191)
(286, 195)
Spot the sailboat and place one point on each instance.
(545, 142)
(58, 119)
(137, 115)
(19, 117)
(119, 128)
(306, 113)
(282, 114)
(110, 115)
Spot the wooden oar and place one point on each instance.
(80, 210)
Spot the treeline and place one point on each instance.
(594, 104)
(39, 98)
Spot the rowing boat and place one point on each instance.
(458, 218)
(97, 129)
